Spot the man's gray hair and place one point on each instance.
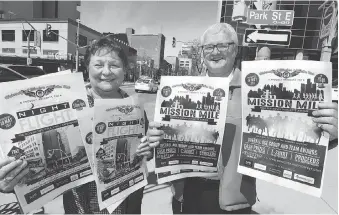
(224, 28)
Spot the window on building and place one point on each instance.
(32, 51)
(228, 19)
(8, 35)
(82, 40)
(296, 42)
(222, 19)
(298, 32)
(303, 2)
(299, 23)
(49, 52)
(313, 24)
(223, 11)
(285, 6)
(2, 15)
(25, 33)
(316, 2)
(52, 38)
(311, 42)
(314, 12)
(312, 33)
(8, 50)
(287, 2)
(301, 10)
(229, 10)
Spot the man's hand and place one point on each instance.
(11, 172)
(327, 118)
(144, 149)
(155, 135)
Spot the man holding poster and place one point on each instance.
(232, 192)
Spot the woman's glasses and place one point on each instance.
(221, 47)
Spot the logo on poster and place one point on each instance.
(39, 93)
(7, 121)
(100, 128)
(166, 91)
(252, 79)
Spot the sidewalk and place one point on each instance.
(273, 199)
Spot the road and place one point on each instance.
(273, 199)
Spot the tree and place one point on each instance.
(195, 53)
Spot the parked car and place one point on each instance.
(146, 85)
(10, 72)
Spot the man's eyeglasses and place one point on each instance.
(221, 47)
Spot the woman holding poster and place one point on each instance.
(106, 63)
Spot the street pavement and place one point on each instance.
(273, 199)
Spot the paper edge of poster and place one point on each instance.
(281, 181)
(122, 195)
(43, 200)
(183, 166)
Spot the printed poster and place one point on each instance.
(118, 125)
(280, 142)
(85, 124)
(192, 111)
(39, 123)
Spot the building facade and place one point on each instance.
(148, 46)
(186, 63)
(306, 42)
(174, 61)
(40, 9)
(16, 35)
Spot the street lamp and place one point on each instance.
(77, 48)
(29, 60)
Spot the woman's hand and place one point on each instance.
(327, 118)
(11, 172)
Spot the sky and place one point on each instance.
(184, 20)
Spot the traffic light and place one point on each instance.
(174, 42)
(48, 30)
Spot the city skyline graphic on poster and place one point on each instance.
(207, 103)
(309, 91)
(50, 152)
(287, 97)
(115, 158)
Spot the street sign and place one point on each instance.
(29, 61)
(267, 37)
(270, 17)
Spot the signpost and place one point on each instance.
(270, 17)
(268, 37)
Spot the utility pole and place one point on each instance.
(28, 49)
(77, 49)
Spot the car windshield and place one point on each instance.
(146, 81)
(27, 70)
